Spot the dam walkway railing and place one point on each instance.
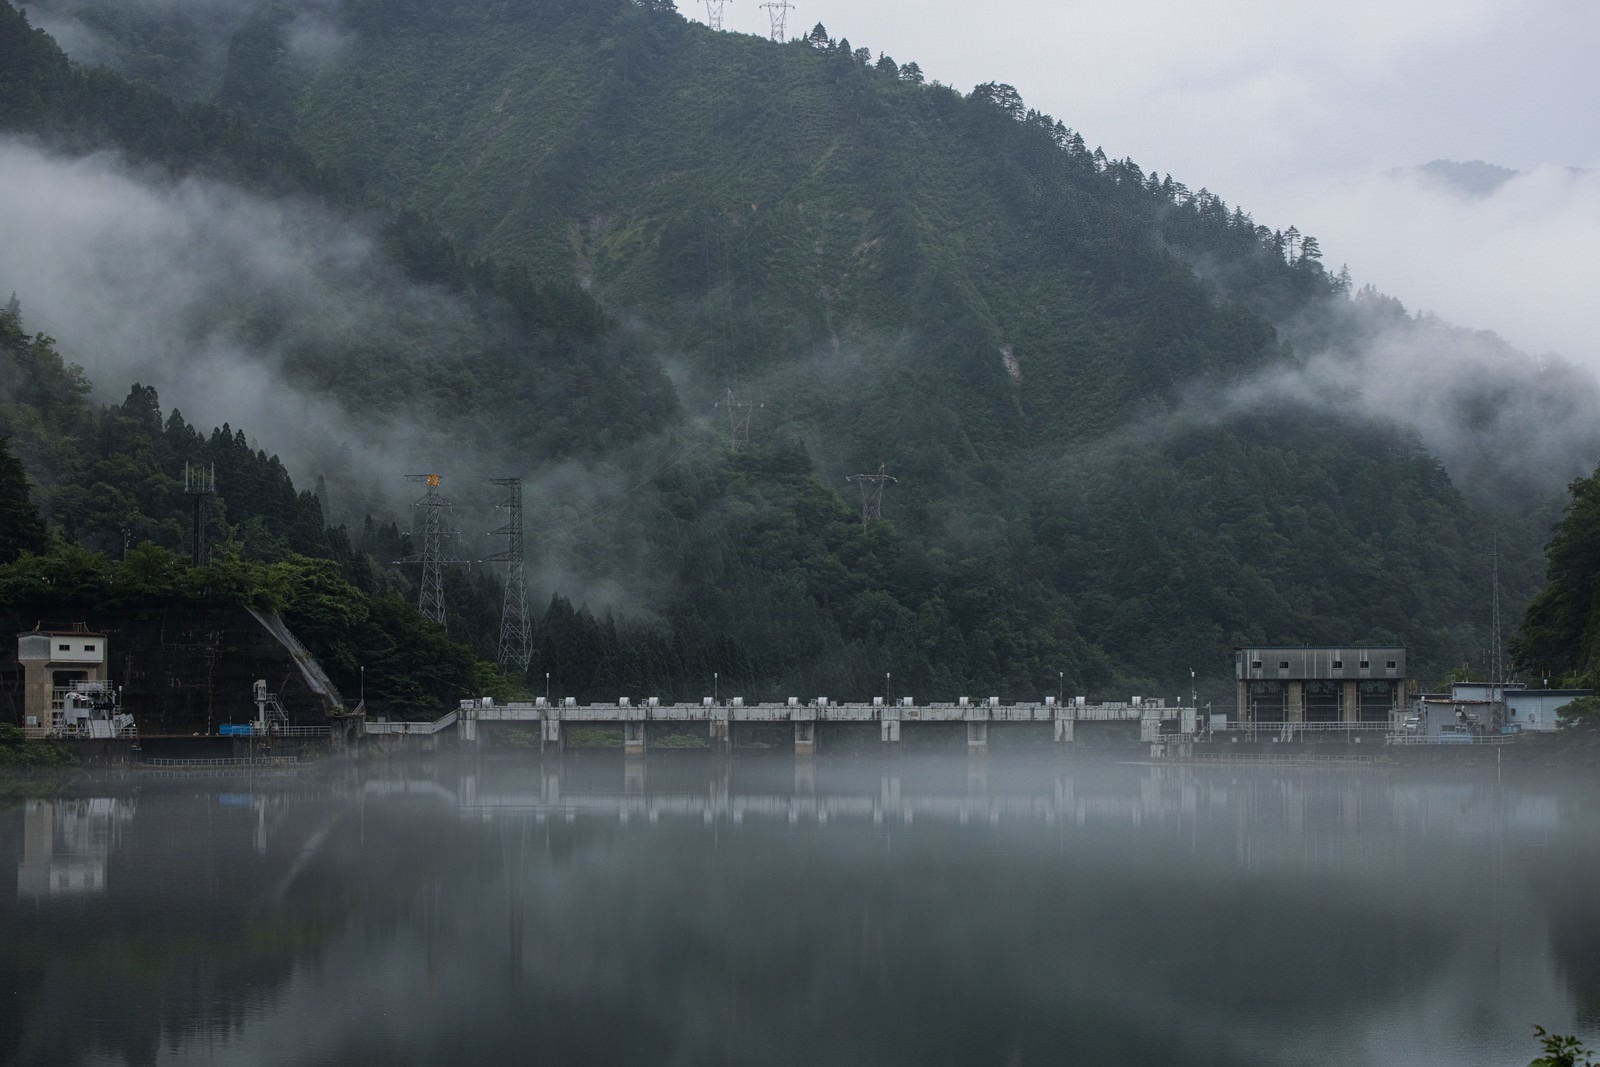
(722, 717)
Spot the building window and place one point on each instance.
(1255, 665)
(1365, 664)
(1390, 665)
(1338, 664)
(1283, 664)
(90, 648)
(63, 648)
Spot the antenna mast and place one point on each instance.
(872, 493)
(516, 637)
(198, 483)
(779, 10)
(714, 9)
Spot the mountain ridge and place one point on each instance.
(1061, 357)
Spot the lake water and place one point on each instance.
(1000, 911)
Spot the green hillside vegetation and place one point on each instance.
(547, 347)
(957, 286)
(80, 108)
(767, 205)
(1560, 635)
(115, 481)
(891, 257)
(638, 217)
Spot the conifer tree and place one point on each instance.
(21, 529)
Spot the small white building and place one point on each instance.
(1536, 710)
(54, 663)
(1484, 706)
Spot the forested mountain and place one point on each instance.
(1472, 178)
(1560, 636)
(113, 478)
(1130, 427)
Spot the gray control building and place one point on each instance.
(1321, 685)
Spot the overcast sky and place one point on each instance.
(1296, 111)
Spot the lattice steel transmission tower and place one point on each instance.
(1497, 652)
(198, 484)
(516, 636)
(779, 10)
(714, 9)
(435, 527)
(739, 412)
(872, 493)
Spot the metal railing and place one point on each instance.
(1452, 739)
(405, 729)
(1272, 757)
(298, 731)
(264, 760)
(56, 731)
(1288, 729)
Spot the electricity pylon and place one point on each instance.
(714, 9)
(779, 10)
(872, 493)
(435, 527)
(516, 637)
(739, 412)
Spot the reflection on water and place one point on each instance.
(65, 844)
(766, 911)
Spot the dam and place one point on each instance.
(805, 719)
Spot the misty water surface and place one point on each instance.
(914, 912)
